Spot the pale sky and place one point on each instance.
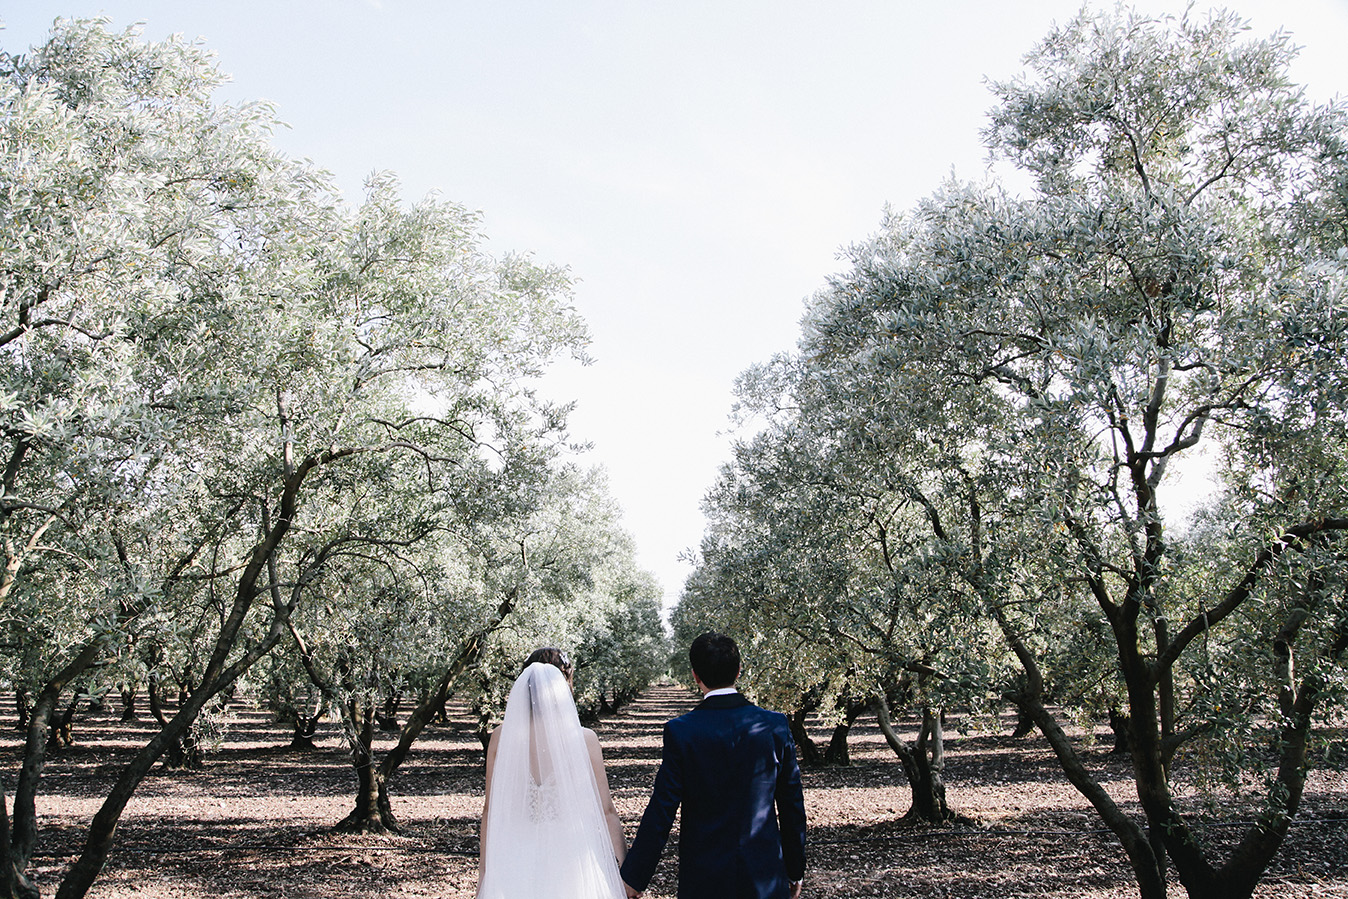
(696, 164)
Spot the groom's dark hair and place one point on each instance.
(715, 659)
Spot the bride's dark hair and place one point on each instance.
(550, 656)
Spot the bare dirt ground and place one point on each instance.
(256, 820)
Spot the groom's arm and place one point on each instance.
(790, 801)
(644, 854)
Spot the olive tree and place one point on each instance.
(1038, 370)
(816, 559)
(130, 202)
(429, 615)
(218, 380)
(622, 653)
(409, 366)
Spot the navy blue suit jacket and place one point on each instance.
(732, 766)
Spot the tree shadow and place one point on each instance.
(213, 831)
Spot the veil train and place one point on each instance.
(544, 833)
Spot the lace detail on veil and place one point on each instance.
(543, 802)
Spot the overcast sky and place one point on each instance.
(697, 164)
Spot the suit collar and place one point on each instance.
(724, 701)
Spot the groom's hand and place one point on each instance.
(631, 893)
(795, 888)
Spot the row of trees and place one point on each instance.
(971, 482)
(253, 437)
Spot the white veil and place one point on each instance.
(545, 833)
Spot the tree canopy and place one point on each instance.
(1015, 396)
(235, 409)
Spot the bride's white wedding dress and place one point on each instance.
(544, 833)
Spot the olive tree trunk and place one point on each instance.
(20, 830)
(806, 749)
(923, 762)
(373, 811)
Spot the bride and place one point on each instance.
(549, 827)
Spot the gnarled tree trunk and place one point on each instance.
(14, 882)
(373, 813)
(1118, 723)
(21, 707)
(806, 750)
(1144, 856)
(129, 703)
(60, 733)
(388, 717)
(1024, 725)
(923, 763)
(219, 675)
(306, 725)
(20, 831)
(837, 753)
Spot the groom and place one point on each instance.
(733, 768)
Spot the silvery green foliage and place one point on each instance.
(135, 213)
(555, 559)
(580, 589)
(191, 315)
(224, 394)
(1031, 387)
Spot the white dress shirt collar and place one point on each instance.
(719, 691)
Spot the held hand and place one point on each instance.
(795, 888)
(631, 893)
